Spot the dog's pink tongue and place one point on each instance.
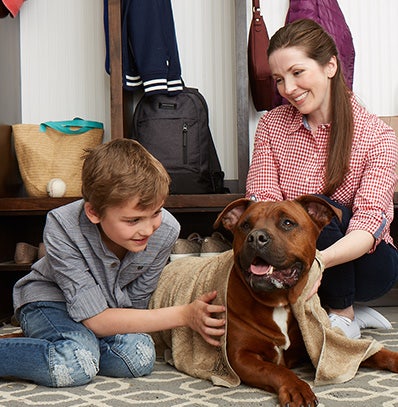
(260, 269)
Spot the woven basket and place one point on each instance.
(52, 154)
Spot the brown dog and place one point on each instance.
(274, 247)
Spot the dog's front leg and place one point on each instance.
(384, 359)
(254, 371)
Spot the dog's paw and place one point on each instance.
(298, 394)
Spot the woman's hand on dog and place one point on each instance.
(200, 318)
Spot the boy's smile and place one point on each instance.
(126, 227)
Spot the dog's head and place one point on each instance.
(275, 242)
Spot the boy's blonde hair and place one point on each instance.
(121, 170)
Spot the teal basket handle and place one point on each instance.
(65, 126)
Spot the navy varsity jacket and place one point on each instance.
(150, 57)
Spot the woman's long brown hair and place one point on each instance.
(319, 46)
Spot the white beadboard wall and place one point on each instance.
(62, 60)
(206, 44)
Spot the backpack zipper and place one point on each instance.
(185, 143)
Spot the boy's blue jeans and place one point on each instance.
(59, 352)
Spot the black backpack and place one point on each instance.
(175, 129)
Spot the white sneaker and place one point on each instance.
(369, 318)
(350, 328)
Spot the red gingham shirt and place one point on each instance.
(289, 161)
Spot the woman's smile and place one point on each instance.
(301, 97)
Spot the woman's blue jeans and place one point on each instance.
(59, 352)
(364, 279)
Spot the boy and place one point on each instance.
(83, 306)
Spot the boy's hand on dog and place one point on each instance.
(201, 318)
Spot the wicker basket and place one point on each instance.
(43, 155)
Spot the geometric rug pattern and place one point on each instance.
(166, 387)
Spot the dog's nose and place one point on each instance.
(259, 237)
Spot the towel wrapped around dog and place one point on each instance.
(335, 357)
(181, 282)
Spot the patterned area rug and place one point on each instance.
(166, 387)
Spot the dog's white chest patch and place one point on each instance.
(280, 316)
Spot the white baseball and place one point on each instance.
(56, 188)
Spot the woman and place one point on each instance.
(324, 142)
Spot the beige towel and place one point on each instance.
(335, 357)
(181, 282)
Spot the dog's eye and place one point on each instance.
(245, 226)
(288, 224)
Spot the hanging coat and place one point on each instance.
(150, 58)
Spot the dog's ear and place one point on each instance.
(320, 211)
(231, 213)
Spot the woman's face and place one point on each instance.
(303, 82)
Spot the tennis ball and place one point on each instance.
(56, 188)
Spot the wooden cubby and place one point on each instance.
(195, 212)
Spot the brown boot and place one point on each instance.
(25, 253)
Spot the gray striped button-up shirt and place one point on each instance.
(81, 271)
